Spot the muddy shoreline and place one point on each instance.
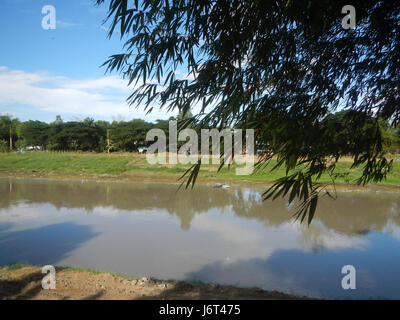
(25, 284)
(174, 179)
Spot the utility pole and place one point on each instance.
(108, 141)
(11, 142)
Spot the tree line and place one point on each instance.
(85, 135)
(128, 136)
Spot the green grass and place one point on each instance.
(63, 163)
(127, 163)
(16, 266)
(93, 271)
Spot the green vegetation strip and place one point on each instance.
(129, 163)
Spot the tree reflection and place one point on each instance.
(353, 214)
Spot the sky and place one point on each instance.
(45, 73)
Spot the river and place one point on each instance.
(226, 236)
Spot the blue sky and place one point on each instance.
(44, 73)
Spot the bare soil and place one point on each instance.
(25, 284)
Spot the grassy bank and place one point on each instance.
(128, 164)
(24, 282)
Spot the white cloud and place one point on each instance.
(100, 98)
(229, 231)
(318, 235)
(392, 229)
(64, 24)
(111, 82)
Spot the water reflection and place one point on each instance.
(220, 235)
(308, 273)
(48, 243)
(353, 214)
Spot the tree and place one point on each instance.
(83, 136)
(34, 133)
(59, 120)
(8, 130)
(281, 67)
(128, 136)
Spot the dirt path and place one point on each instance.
(25, 283)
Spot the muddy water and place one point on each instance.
(226, 236)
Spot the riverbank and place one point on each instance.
(135, 168)
(19, 282)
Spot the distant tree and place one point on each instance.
(58, 120)
(8, 130)
(389, 137)
(34, 133)
(164, 124)
(128, 136)
(184, 115)
(76, 136)
(3, 146)
(280, 67)
(108, 143)
(104, 142)
(4, 135)
(397, 141)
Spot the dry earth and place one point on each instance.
(25, 283)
